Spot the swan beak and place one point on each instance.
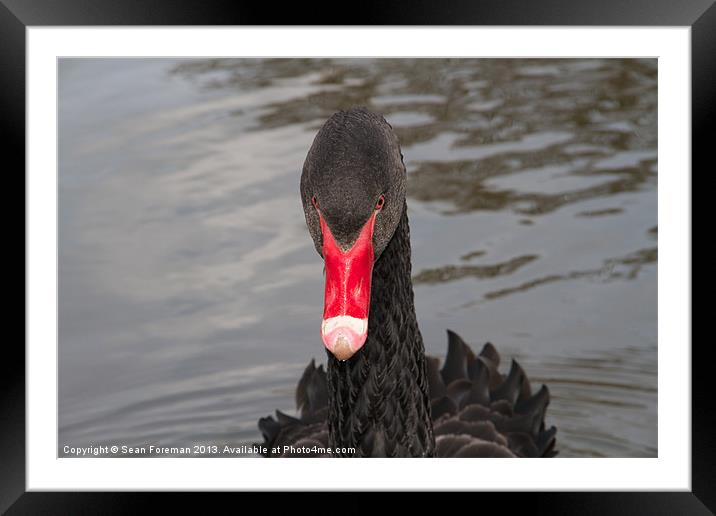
(347, 294)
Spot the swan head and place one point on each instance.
(353, 194)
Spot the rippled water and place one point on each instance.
(190, 294)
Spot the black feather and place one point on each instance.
(455, 367)
(510, 389)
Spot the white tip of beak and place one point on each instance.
(344, 335)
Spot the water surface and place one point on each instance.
(190, 294)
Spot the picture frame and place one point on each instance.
(16, 16)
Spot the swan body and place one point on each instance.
(476, 410)
(380, 395)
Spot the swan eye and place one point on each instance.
(314, 201)
(380, 203)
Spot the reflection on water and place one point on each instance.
(190, 292)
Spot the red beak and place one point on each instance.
(347, 296)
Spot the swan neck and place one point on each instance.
(378, 400)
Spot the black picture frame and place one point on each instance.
(17, 15)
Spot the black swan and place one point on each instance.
(381, 396)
